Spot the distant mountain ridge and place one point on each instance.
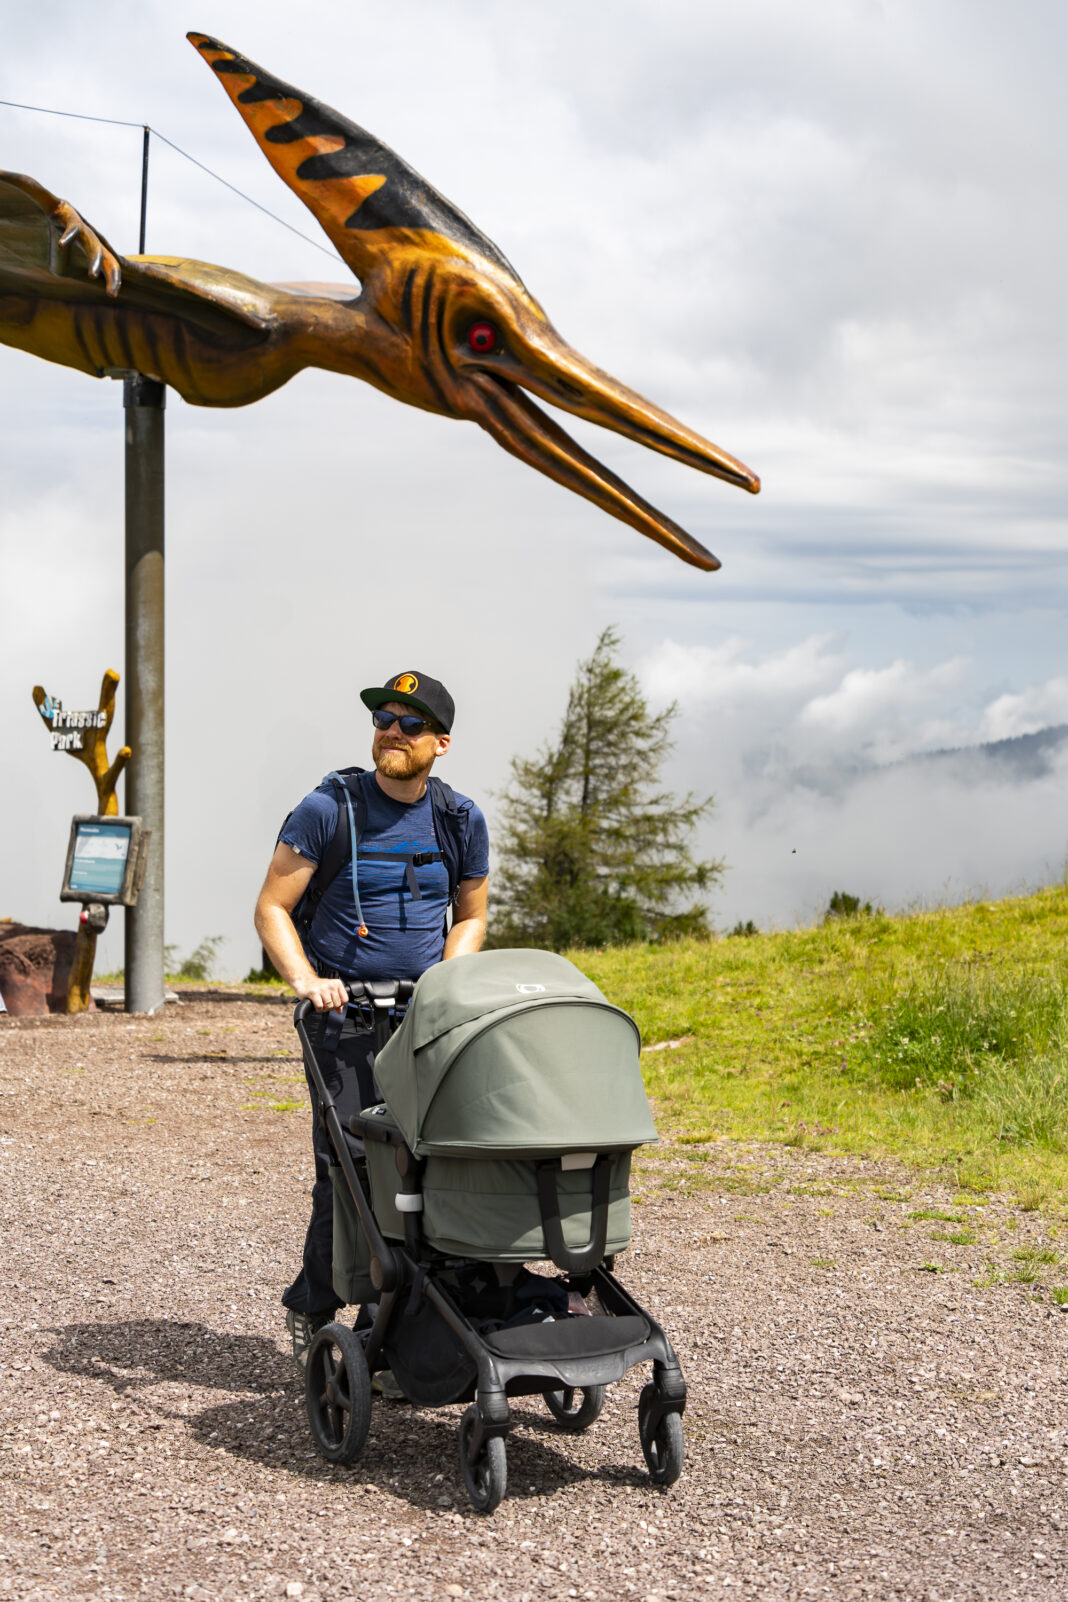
(1023, 759)
(1026, 756)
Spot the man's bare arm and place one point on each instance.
(287, 879)
(469, 919)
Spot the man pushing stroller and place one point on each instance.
(327, 916)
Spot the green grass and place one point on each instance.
(1036, 1254)
(939, 1038)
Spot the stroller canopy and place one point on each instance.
(518, 1054)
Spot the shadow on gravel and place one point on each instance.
(150, 1351)
(274, 1060)
(410, 1453)
(277, 999)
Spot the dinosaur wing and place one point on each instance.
(364, 196)
(36, 252)
(68, 297)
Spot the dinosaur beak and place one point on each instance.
(536, 359)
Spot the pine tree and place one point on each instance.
(591, 852)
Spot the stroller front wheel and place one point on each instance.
(337, 1393)
(561, 1405)
(486, 1478)
(661, 1439)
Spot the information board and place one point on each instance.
(104, 860)
(100, 852)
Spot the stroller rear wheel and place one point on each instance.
(661, 1439)
(487, 1477)
(572, 1417)
(337, 1393)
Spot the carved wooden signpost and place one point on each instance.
(84, 735)
(107, 854)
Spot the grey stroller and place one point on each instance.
(512, 1100)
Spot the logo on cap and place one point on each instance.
(406, 684)
(529, 990)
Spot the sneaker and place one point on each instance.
(301, 1327)
(386, 1385)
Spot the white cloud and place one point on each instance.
(819, 772)
(810, 702)
(721, 678)
(1032, 709)
(882, 714)
(897, 836)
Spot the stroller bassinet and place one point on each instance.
(512, 1101)
(519, 1087)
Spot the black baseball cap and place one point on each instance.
(418, 690)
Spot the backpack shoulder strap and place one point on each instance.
(339, 852)
(450, 827)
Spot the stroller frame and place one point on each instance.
(553, 1359)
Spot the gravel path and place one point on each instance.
(859, 1425)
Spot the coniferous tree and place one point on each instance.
(591, 851)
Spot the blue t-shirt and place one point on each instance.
(405, 934)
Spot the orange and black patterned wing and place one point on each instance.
(367, 200)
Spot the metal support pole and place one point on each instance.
(144, 191)
(144, 400)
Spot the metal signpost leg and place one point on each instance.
(144, 399)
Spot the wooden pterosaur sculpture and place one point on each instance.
(442, 320)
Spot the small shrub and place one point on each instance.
(199, 964)
(843, 905)
(743, 930)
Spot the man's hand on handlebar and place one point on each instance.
(325, 995)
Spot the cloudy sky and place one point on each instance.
(830, 238)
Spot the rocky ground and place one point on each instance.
(877, 1408)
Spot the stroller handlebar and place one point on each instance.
(381, 992)
(381, 1003)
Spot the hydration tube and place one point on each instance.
(361, 927)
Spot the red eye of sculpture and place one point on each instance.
(482, 338)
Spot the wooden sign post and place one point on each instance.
(83, 735)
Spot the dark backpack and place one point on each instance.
(450, 830)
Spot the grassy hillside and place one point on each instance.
(939, 1037)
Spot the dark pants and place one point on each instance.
(349, 1074)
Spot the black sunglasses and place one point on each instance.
(408, 724)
